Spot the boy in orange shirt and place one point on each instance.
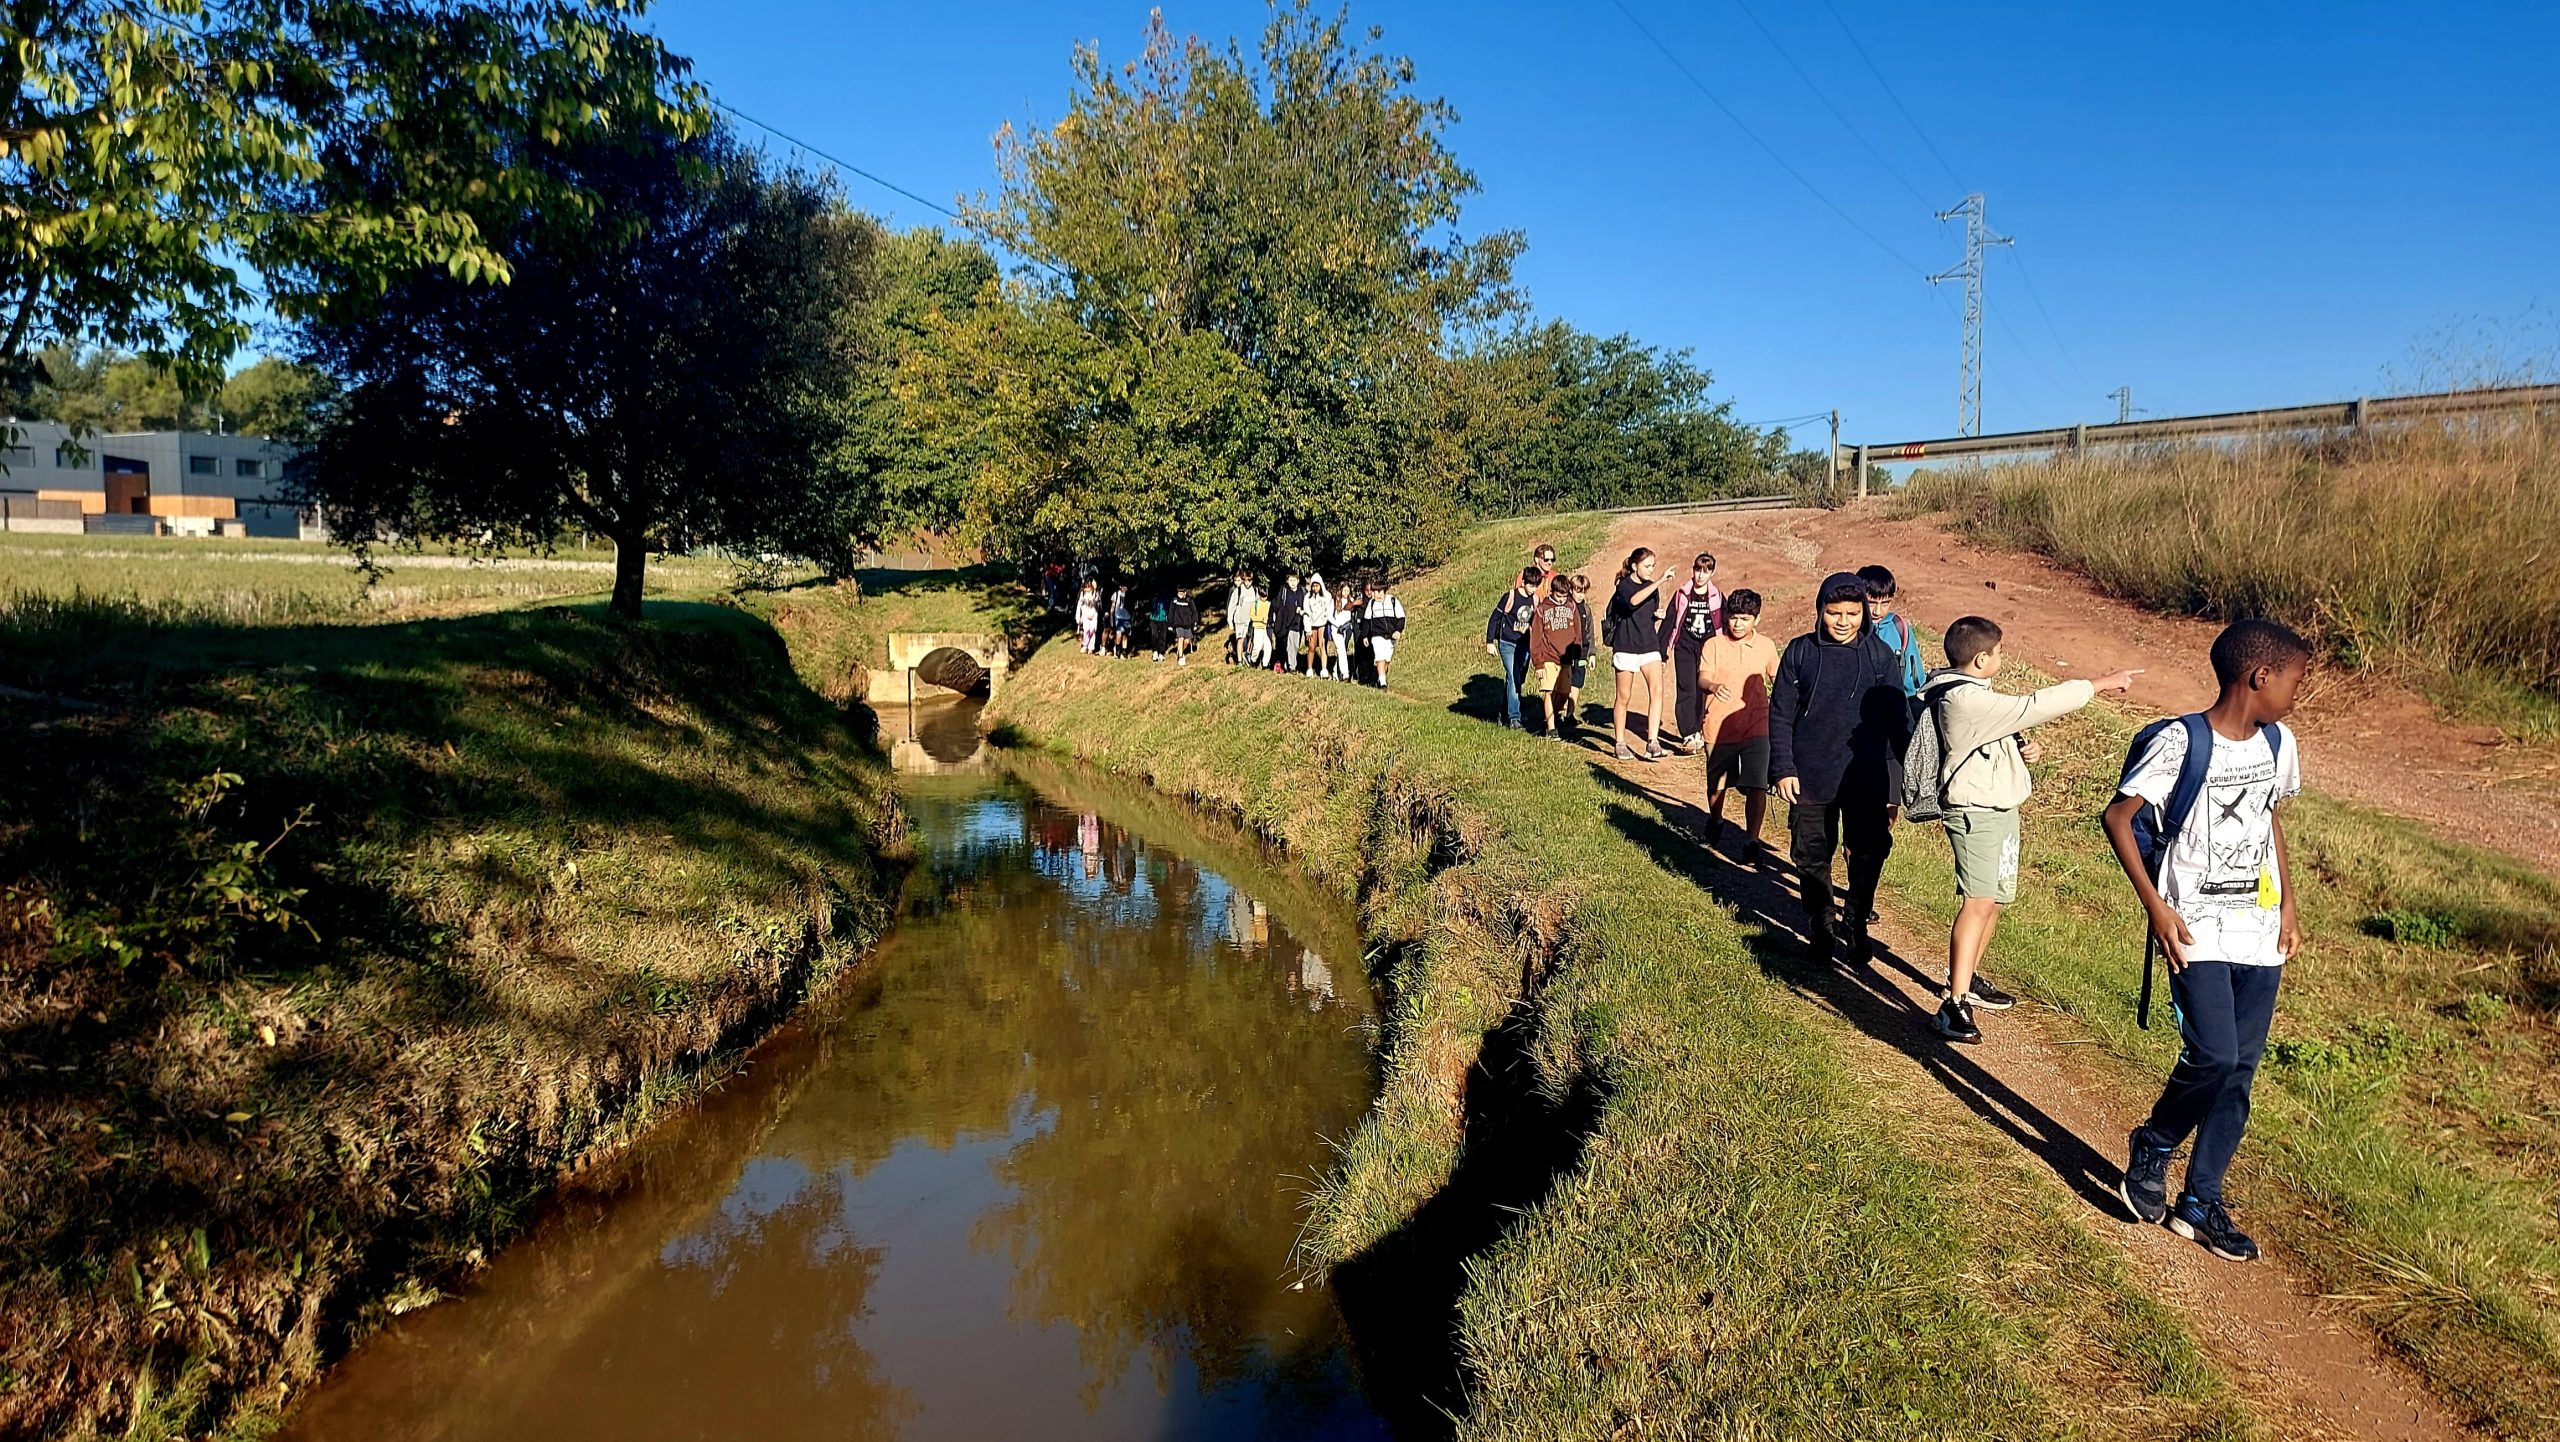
(1736, 668)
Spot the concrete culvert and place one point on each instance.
(951, 667)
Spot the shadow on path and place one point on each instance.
(1866, 996)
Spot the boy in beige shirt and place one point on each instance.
(1735, 669)
(1982, 781)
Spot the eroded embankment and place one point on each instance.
(1618, 1169)
(328, 948)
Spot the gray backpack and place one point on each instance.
(1924, 792)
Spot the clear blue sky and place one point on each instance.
(2222, 205)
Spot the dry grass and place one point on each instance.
(2425, 551)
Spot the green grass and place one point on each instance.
(1635, 1177)
(839, 630)
(2406, 1140)
(263, 582)
(292, 1049)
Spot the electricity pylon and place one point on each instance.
(1976, 236)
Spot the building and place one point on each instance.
(145, 482)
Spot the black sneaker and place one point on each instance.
(1856, 947)
(2145, 1188)
(1954, 1021)
(1715, 830)
(2209, 1226)
(1983, 994)
(1820, 943)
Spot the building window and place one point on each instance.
(245, 468)
(203, 466)
(65, 457)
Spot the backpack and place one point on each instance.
(1915, 668)
(2156, 828)
(1925, 800)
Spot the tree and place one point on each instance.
(1248, 266)
(149, 147)
(922, 280)
(680, 375)
(1554, 418)
(268, 397)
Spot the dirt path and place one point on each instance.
(2365, 741)
(2307, 1368)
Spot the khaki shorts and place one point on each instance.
(1986, 847)
(1541, 678)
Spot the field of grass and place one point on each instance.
(2406, 1140)
(325, 947)
(2424, 552)
(1620, 1179)
(250, 582)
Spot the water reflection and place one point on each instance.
(1035, 1175)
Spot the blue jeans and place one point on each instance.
(2223, 1011)
(1514, 657)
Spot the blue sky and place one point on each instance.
(2221, 205)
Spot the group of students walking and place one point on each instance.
(1851, 727)
(1347, 632)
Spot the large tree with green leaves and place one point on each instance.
(151, 151)
(681, 372)
(1243, 271)
(1555, 418)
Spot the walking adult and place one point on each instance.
(1634, 627)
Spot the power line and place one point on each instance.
(2054, 330)
(1765, 148)
(1845, 123)
(885, 183)
(1887, 87)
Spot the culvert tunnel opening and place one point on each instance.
(953, 669)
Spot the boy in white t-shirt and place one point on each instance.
(2222, 911)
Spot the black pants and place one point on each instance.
(1690, 712)
(1815, 832)
(2223, 1011)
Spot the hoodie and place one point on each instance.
(1837, 717)
(1978, 736)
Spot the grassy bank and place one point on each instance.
(839, 630)
(2406, 1140)
(1620, 1179)
(328, 946)
(2423, 552)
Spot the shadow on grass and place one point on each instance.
(1400, 1296)
(1766, 901)
(1482, 699)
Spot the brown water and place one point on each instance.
(1034, 1173)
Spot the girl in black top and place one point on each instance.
(1635, 643)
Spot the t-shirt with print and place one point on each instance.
(1635, 627)
(2222, 877)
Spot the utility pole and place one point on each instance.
(2123, 397)
(1832, 488)
(1976, 236)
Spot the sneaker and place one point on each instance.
(1653, 752)
(1954, 1021)
(2209, 1226)
(1819, 943)
(1715, 831)
(1856, 947)
(1984, 994)
(1626, 755)
(2145, 1188)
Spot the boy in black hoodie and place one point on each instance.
(1837, 725)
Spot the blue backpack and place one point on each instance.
(2156, 828)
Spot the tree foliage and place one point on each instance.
(1555, 418)
(683, 375)
(148, 148)
(922, 280)
(93, 389)
(1247, 266)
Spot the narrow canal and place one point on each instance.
(1034, 1173)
